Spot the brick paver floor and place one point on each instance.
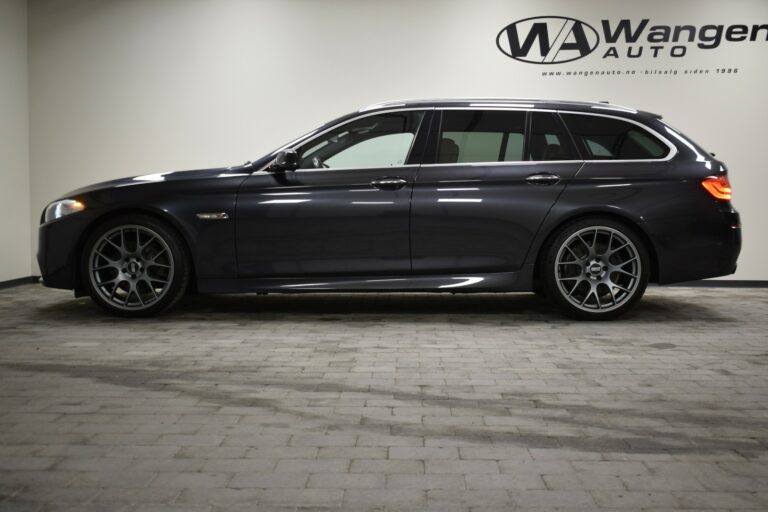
(384, 402)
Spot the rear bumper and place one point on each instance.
(697, 246)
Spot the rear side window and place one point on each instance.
(481, 136)
(548, 139)
(604, 138)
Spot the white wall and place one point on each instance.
(15, 236)
(130, 87)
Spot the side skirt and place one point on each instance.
(520, 281)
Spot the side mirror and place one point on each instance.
(286, 160)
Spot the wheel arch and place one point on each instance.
(155, 213)
(618, 216)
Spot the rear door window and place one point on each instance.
(468, 136)
(548, 139)
(605, 138)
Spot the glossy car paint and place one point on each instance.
(451, 227)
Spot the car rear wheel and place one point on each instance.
(135, 265)
(595, 268)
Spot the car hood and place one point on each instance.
(160, 177)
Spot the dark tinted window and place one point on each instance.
(382, 140)
(548, 139)
(481, 136)
(604, 138)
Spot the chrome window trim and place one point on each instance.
(363, 115)
(324, 169)
(672, 148)
(514, 162)
(671, 154)
(673, 151)
(498, 107)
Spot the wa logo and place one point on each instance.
(547, 40)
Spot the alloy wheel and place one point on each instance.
(598, 269)
(131, 267)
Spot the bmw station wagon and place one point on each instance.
(583, 203)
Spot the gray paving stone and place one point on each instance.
(552, 499)
(461, 466)
(386, 499)
(303, 497)
(312, 466)
(191, 479)
(425, 482)
(387, 466)
(218, 497)
(346, 481)
(419, 453)
(506, 481)
(269, 480)
(445, 499)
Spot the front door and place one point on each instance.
(343, 212)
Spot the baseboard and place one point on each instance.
(18, 282)
(733, 283)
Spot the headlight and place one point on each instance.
(59, 209)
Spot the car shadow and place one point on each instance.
(366, 307)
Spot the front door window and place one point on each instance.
(377, 141)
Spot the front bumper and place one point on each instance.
(58, 250)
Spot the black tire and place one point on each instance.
(595, 268)
(135, 279)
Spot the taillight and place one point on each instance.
(718, 187)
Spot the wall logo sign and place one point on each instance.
(557, 39)
(547, 40)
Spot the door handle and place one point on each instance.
(389, 183)
(543, 179)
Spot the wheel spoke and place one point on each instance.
(151, 287)
(579, 259)
(614, 251)
(113, 244)
(630, 260)
(589, 248)
(610, 241)
(144, 245)
(622, 271)
(99, 253)
(154, 258)
(103, 267)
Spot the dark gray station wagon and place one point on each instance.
(584, 203)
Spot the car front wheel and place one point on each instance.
(595, 268)
(135, 265)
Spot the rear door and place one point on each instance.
(494, 175)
